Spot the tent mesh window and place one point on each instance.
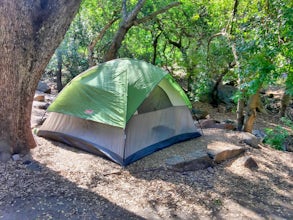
(157, 99)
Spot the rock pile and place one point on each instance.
(42, 100)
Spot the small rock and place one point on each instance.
(15, 157)
(250, 163)
(250, 139)
(220, 151)
(210, 169)
(40, 98)
(247, 162)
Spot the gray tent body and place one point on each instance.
(156, 124)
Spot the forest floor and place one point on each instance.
(55, 181)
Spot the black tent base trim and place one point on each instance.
(159, 146)
(101, 151)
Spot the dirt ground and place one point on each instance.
(58, 182)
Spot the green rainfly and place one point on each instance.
(111, 92)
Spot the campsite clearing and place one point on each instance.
(57, 182)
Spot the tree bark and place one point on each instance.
(30, 33)
(240, 103)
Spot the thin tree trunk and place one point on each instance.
(30, 33)
(253, 104)
(284, 103)
(59, 71)
(240, 103)
(155, 46)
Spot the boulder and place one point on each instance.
(250, 139)
(43, 87)
(197, 160)
(259, 134)
(221, 151)
(226, 93)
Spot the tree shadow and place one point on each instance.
(262, 193)
(165, 193)
(30, 190)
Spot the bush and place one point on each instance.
(277, 136)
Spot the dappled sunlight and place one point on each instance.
(151, 190)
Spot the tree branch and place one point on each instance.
(154, 14)
(135, 11)
(124, 10)
(222, 33)
(97, 39)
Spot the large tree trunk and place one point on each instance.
(30, 32)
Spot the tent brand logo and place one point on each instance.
(89, 111)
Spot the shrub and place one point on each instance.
(276, 136)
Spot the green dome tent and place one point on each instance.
(124, 109)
